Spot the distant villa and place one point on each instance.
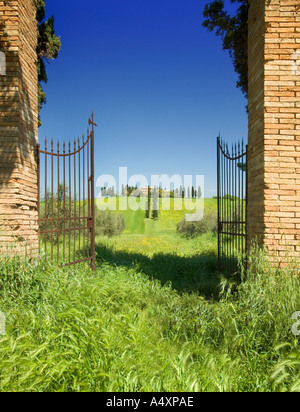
(143, 191)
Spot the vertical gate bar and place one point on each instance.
(235, 202)
(89, 188)
(221, 165)
(218, 197)
(245, 179)
(238, 203)
(58, 202)
(246, 216)
(239, 186)
(243, 197)
(245, 220)
(83, 166)
(52, 203)
(93, 196)
(232, 211)
(75, 211)
(233, 162)
(227, 212)
(244, 212)
(70, 205)
(79, 221)
(230, 208)
(64, 224)
(222, 204)
(39, 194)
(46, 212)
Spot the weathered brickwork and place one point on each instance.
(18, 125)
(274, 125)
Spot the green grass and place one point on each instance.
(122, 330)
(188, 264)
(156, 316)
(153, 247)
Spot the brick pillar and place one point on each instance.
(274, 125)
(18, 125)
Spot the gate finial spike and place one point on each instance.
(91, 120)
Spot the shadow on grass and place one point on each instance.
(195, 274)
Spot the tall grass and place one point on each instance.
(121, 330)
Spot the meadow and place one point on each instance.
(154, 247)
(156, 316)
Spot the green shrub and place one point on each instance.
(207, 224)
(108, 223)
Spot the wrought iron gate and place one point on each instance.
(232, 205)
(66, 201)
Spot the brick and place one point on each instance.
(274, 114)
(19, 132)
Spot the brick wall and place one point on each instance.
(18, 125)
(274, 125)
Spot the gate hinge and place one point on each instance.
(90, 223)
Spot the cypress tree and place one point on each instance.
(48, 48)
(148, 206)
(199, 192)
(155, 204)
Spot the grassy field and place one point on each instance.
(120, 330)
(155, 248)
(156, 316)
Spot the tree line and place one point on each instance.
(189, 192)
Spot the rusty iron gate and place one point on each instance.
(232, 205)
(66, 201)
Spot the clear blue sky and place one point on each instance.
(160, 85)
